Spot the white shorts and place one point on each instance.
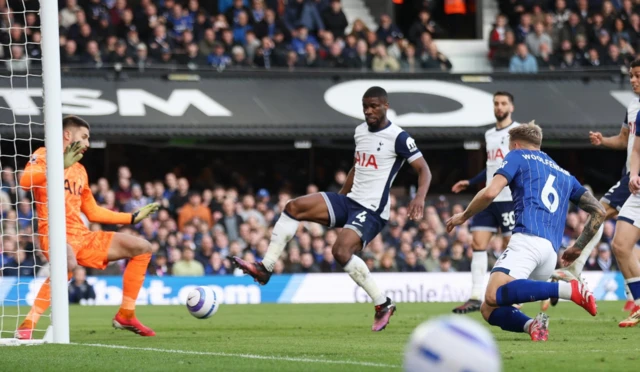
(630, 211)
(527, 257)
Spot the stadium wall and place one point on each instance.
(318, 106)
(298, 288)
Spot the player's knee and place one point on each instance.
(145, 247)
(477, 247)
(486, 311)
(490, 299)
(620, 248)
(341, 253)
(293, 209)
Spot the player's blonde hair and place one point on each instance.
(530, 133)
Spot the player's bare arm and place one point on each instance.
(348, 183)
(634, 168)
(463, 184)
(481, 201)
(617, 142)
(416, 207)
(597, 214)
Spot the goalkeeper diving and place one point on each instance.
(94, 249)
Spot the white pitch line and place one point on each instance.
(245, 356)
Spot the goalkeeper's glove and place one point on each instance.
(144, 212)
(72, 154)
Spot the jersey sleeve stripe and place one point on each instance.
(414, 157)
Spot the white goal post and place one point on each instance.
(58, 330)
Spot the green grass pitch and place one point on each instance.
(281, 338)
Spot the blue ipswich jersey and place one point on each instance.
(541, 192)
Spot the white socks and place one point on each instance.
(479, 263)
(564, 290)
(577, 266)
(359, 272)
(283, 231)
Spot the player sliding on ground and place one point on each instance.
(86, 248)
(541, 192)
(618, 194)
(499, 216)
(362, 205)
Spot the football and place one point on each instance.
(202, 302)
(452, 343)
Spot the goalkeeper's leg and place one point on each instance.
(138, 251)
(43, 299)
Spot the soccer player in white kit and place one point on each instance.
(612, 201)
(361, 208)
(628, 224)
(499, 216)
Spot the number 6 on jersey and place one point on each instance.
(549, 195)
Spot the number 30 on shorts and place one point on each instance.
(509, 219)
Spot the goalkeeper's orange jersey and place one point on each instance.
(77, 195)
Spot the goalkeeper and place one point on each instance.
(86, 248)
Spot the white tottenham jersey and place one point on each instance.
(631, 122)
(497, 141)
(378, 158)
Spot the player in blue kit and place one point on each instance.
(362, 206)
(541, 193)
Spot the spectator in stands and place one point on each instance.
(615, 59)
(303, 13)
(498, 35)
(69, 57)
(387, 31)
(233, 13)
(68, 14)
(141, 60)
(522, 61)
(241, 27)
(187, 266)
(217, 266)
(192, 59)
(81, 292)
(194, 209)
(546, 60)
(504, 52)
(568, 60)
(301, 39)
(434, 60)
(18, 61)
(359, 29)
(409, 62)
(334, 19)
(524, 28)
(605, 261)
(382, 62)
(424, 24)
(269, 25)
(573, 28)
(536, 38)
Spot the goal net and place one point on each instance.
(23, 266)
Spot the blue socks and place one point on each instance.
(509, 319)
(523, 290)
(634, 287)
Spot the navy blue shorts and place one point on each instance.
(498, 216)
(344, 212)
(618, 193)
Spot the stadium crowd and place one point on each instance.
(141, 34)
(565, 34)
(196, 231)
